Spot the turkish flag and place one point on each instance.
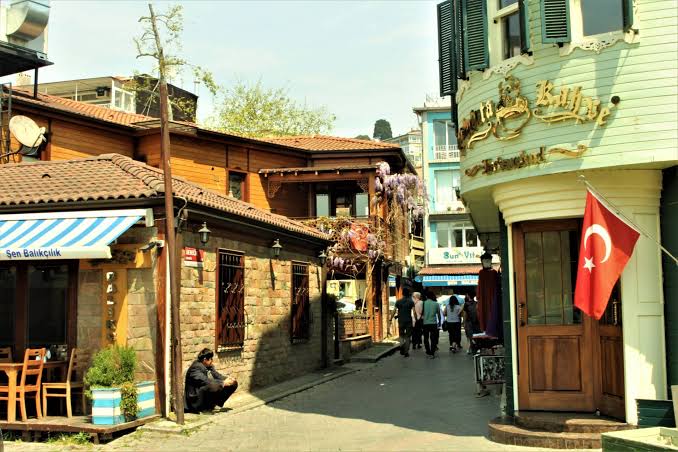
(606, 246)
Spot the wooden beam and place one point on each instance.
(314, 177)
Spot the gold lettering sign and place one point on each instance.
(491, 166)
(506, 119)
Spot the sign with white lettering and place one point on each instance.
(193, 257)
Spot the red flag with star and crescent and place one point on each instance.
(607, 243)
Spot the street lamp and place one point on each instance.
(204, 234)
(486, 259)
(276, 247)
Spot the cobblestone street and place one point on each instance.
(396, 404)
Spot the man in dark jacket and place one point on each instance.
(205, 387)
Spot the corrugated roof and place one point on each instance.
(113, 176)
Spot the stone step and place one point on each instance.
(567, 422)
(505, 432)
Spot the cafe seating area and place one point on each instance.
(33, 381)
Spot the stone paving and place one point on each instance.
(398, 403)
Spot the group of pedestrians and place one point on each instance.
(422, 317)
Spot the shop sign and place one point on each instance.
(506, 118)
(457, 255)
(193, 257)
(491, 166)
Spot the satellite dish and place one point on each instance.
(27, 133)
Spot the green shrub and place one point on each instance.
(114, 366)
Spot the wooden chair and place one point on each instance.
(6, 354)
(32, 370)
(64, 390)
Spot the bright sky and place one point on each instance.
(363, 60)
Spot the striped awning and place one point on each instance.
(63, 235)
(449, 280)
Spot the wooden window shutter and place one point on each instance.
(446, 54)
(475, 31)
(524, 16)
(555, 21)
(627, 14)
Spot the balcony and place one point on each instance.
(446, 153)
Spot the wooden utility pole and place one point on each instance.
(170, 231)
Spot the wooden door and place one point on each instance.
(610, 387)
(555, 357)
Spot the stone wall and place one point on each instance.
(141, 308)
(268, 356)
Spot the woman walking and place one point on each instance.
(453, 319)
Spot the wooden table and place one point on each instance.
(12, 371)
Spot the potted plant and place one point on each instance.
(116, 398)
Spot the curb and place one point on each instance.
(373, 359)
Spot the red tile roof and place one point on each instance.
(327, 143)
(81, 108)
(312, 169)
(113, 176)
(451, 270)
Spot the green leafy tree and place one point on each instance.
(363, 137)
(252, 110)
(147, 88)
(382, 130)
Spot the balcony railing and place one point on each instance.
(449, 152)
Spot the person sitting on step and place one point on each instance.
(205, 387)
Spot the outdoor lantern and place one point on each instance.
(276, 247)
(486, 259)
(204, 234)
(322, 257)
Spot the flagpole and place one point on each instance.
(618, 212)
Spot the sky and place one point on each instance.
(363, 60)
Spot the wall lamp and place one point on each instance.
(275, 248)
(204, 234)
(322, 258)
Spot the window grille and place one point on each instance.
(230, 328)
(301, 315)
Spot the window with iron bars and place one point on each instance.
(301, 312)
(230, 327)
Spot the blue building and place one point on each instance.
(452, 244)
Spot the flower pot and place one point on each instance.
(106, 403)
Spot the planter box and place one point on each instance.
(106, 403)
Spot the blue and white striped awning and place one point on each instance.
(449, 280)
(63, 235)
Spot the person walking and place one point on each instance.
(471, 323)
(404, 308)
(453, 320)
(432, 318)
(418, 328)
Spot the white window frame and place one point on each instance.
(495, 30)
(455, 226)
(599, 41)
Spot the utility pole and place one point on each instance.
(170, 231)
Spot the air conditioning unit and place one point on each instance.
(24, 23)
(102, 91)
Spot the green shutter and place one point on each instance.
(476, 56)
(446, 57)
(627, 10)
(524, 16)
(459, 39)
(555, 20)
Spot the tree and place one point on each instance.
(252, 110)
(363, 137)
(147, 88)
(382, 130)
